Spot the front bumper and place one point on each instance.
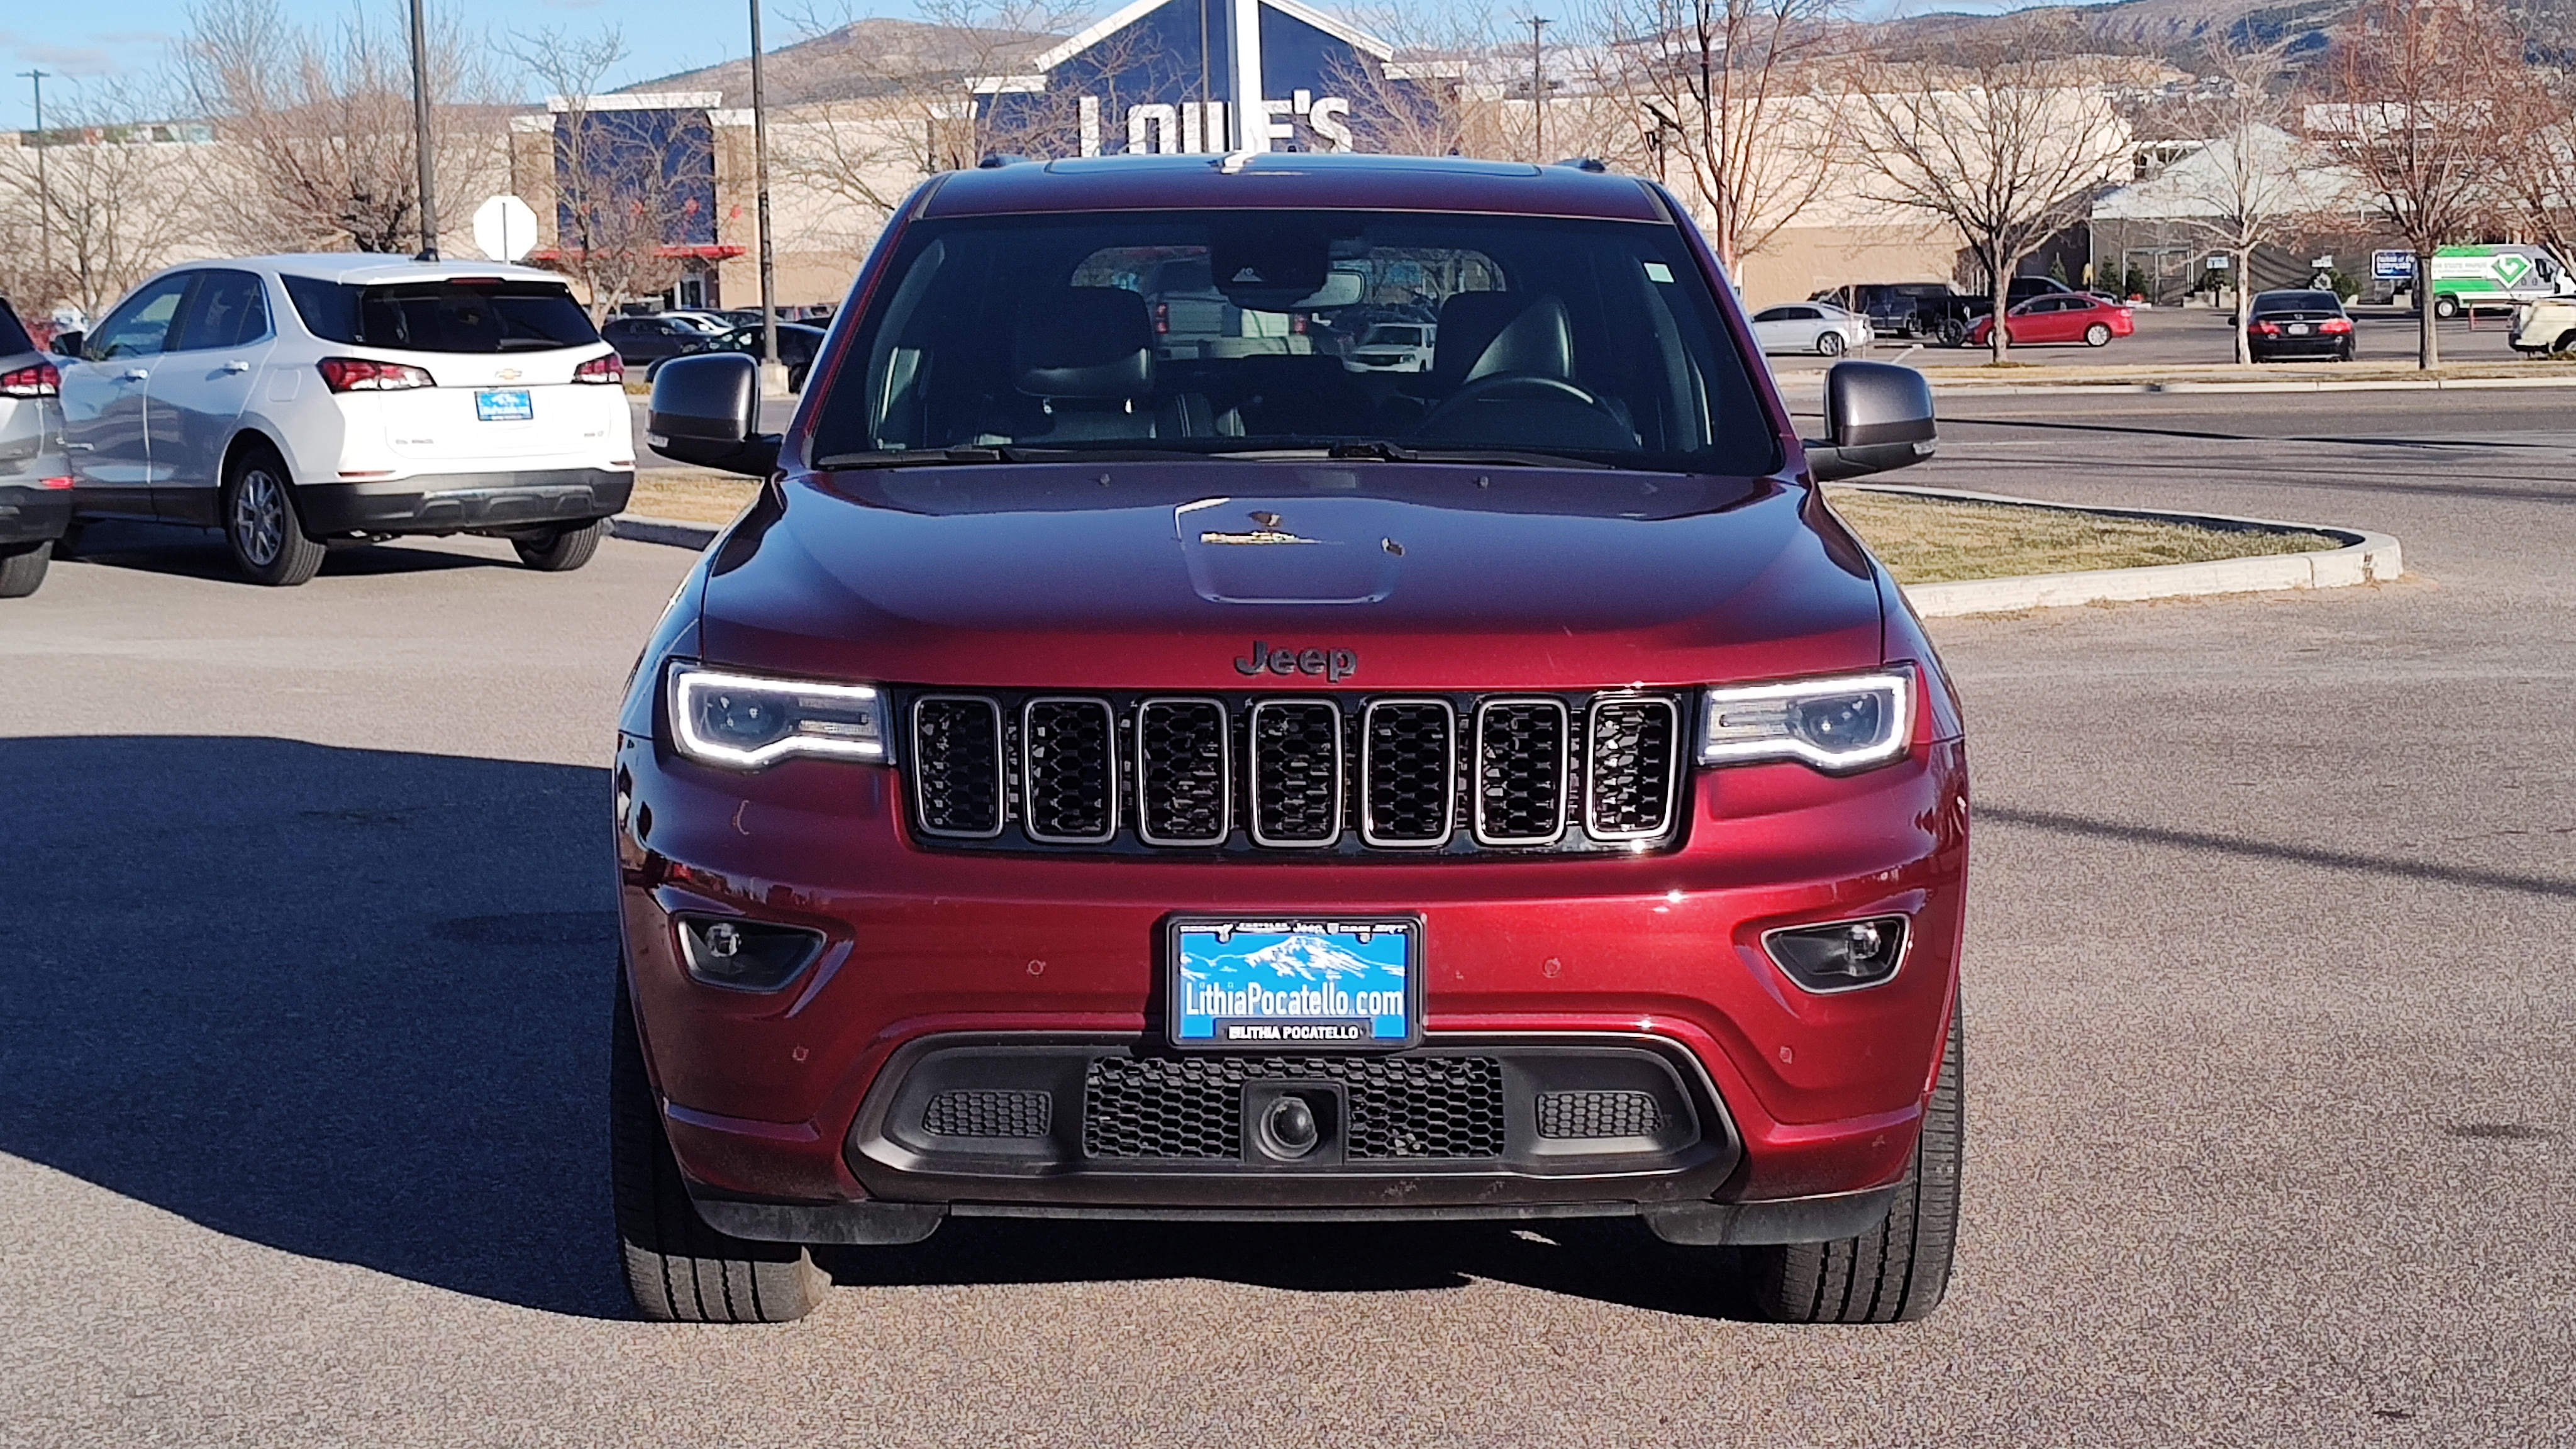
(797, 1099)
(456, 502)
(33, 514)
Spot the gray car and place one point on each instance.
(35, 483)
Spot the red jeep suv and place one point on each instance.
(1105, 778)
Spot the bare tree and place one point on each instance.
(619, 186)
(116, 200)
(2405, 98)
(2003, 131)
(320, 120)
(1721, 95)
(2249, 179)
(1442, 94)
(2534, 153)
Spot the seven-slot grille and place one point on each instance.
(1346, 775)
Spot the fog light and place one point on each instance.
(1842, 956)
(746, 955)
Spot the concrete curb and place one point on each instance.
(1961, 388)
(2364, 558)
(675, 532)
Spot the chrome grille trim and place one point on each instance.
(1564, 767)
(920, 776)
(1225, 770)
(1369, 832)
(1029, 769)
(1252, 773)
(1592, 765)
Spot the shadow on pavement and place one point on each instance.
(200, 553)
(352, 1004)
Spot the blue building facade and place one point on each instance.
(1201, 76)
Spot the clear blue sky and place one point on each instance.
(84, 41)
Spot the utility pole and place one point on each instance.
(1538, 92)
(44, 193)
(772, 376)
(420, 133)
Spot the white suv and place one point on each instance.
(300, 400)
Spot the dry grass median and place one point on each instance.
(1942, 540)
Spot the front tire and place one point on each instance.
(679, 1270)
(262, 525)
(1829, 344)
(2445, 306)
(1897, 1271)
(1954, 333)
(22, 568)
(2098, 335)
(564, 550)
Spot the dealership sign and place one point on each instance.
(1182, 77)
(2392, 266)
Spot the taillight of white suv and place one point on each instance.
(360, 374)
(607, 367)
(39, 380)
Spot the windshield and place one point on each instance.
(1235, 332)
(444, 316)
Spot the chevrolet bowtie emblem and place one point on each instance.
(509, 374)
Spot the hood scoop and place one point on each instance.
(1303, 550)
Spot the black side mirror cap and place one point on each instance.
(706, 410)
(1878, 416)
(68, 344)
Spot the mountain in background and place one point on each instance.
(864, 58)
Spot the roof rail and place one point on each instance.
(1593, 164)
(995, 160)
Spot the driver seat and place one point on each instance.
(1484, 334)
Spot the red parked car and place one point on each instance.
(1236, 788)
(2060, 317)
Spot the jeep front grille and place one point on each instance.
(1330, 776)
(1192, 1107)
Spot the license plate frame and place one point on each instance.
(504, 405)
(2298, 329)
(1201, 951)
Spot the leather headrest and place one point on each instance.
(1084, 342)
(1486, 333)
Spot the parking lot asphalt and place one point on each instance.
(2193, 336)
(2272, 1133)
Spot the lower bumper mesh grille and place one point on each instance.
(1598, 1114)
(1191, 1108)
(988, 1114)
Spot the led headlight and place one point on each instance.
(743, 723)
(1846, 723)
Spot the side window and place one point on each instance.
(141, 327)
(228, 309)
(1775, 314)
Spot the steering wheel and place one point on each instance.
(1529, 383)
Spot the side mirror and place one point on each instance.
(1878, 416)
(706, 410)
(68, 344)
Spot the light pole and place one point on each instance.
(1538, 92)
(771, 374)
(420, 133)
(44, 193)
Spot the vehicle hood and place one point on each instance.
(1197, 575)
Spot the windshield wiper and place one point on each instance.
(1382, 451)
(999, 453)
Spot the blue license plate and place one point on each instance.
(504, 405)
(1351, 983)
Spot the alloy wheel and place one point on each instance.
(259, 516)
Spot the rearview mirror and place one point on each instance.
(1878, 416)
(706, 410)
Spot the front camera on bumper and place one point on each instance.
(746, 955)
(1840, 957)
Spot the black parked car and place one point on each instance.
(2299, 323)
(642, 341)
(797, 343)
(1929, 309)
